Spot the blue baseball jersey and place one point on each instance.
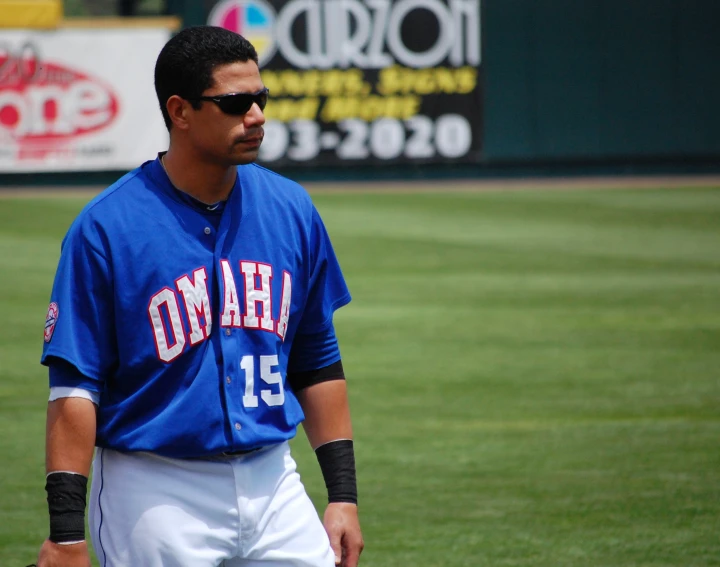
(185, 326)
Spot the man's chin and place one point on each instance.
(245, 157)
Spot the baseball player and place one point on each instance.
(189, 333)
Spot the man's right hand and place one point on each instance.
(56, 555)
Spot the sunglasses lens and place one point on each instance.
(261, 99)
(236, 104)
(242, 102)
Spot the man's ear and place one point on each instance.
(178, 110)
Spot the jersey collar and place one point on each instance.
(159, 175)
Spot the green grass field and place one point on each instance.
(535, 376)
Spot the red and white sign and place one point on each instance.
(77, 99)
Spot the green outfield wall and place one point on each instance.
(599, 79)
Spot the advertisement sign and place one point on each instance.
(79, 99)
(365, 81)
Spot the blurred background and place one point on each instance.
(85, 8)
(524, 196)
(412, 89)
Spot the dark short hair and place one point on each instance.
(186, 63)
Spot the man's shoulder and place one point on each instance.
(111, 203)
(264, 179)
(121, 190)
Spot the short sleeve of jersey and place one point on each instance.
(312, 352)
(327, 290)
(82, 293)
(62, 374)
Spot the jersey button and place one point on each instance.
(227, 332)
(238, 426)
(207, 230)
(228, 379)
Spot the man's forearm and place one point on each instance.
(329, 430)
(70, 439)
(70, 435)
(327, 412)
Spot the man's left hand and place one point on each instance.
(343, 527)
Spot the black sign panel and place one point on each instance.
(365, 81)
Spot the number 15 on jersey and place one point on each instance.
(271, 396)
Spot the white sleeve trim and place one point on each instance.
(57, 392)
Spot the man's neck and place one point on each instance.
(207, 182)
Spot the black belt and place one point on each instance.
(239, 452)
(225, 455)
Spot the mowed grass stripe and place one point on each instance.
(534, 375)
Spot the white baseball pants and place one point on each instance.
(246, 511)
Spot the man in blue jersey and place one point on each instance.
(189, 333)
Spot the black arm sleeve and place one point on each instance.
(300, 380)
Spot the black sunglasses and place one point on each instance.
(237, 103)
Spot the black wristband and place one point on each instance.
(337, 463)
(66, 494)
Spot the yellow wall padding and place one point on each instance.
(172, 23)
(29, 14)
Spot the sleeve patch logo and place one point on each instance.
(51, 321)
